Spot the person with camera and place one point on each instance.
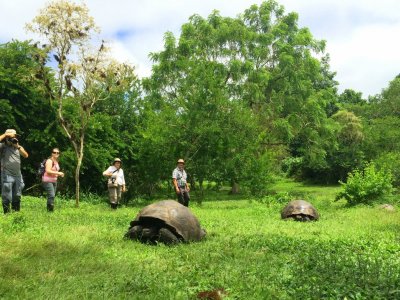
(115, 183)
(11, 177)
(49, 178)
(179, 180)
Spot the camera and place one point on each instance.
(13, 140)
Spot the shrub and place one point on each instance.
(390, 161)
(366, 185)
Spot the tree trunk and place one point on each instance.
(235, 188)
(77, 171)
(201, 188)
(192, 182)
(77, 182)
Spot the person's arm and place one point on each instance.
(186, 184)
(107, 172)
(175, 183)
(22, 150)
(187, 187)
(2, 137)
(123, 180)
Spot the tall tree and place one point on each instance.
(83, 75)
(350, 96)
(24, 104)
(261, 61)
(348, 155)
(188, 86)
(290, 87)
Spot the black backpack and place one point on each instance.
(42, 168)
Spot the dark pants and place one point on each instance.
(183, 197)
(50, 188)
(11, 190)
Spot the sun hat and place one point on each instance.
(11, 131)
(117, 160)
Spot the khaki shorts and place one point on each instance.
(114, 194)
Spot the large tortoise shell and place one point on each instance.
(177, 217)
(299, 207)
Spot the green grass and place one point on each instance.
(249, 251)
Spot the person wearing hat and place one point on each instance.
(11, 177)
(115, 183)
(179, 180)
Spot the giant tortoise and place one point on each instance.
(300, 210)
(166, 221)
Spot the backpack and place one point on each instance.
(42, 168)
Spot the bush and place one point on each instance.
(390, 161)
(366, 186)
(292, 166)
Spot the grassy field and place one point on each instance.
(351, 253)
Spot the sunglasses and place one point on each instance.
(55, 152)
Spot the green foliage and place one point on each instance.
(366, 186)
(347, 153)
(282, 198)
(382, 135)
(239, 98)
(350, 96)
(391, 98)
(24, 105)
(390, 162)
(380, 116)
(231, 91)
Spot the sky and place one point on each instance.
(363, 36)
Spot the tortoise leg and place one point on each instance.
(134, 232)
(167, 237)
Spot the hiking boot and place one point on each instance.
(16, 206)
(50, 207)
(6, 208)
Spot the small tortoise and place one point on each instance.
(300, 210)
(166, 221)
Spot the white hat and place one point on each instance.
(116, 160)
(10, 131)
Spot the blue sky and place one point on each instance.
(362, 35)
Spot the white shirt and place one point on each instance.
(118, 175)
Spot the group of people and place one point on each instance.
(116, 182)
(12, 182)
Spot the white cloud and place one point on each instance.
(361, 35)
(368, 59)
(124, 55)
